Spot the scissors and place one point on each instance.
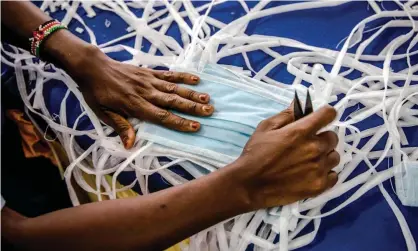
(297, 106)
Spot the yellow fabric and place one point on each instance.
(177, 247)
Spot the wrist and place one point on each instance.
(71, 53)
(237, 187)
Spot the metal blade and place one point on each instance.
(297, 107)
(308, 105)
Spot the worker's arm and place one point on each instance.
(283, 162)
(108, 85)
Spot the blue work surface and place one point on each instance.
(368, 223)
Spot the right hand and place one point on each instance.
(286, 160)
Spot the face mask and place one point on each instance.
(240, 105)
(407, 184)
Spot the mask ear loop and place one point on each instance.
(399, 176)
(70, 13)
(343, 175)
(395, 134)
(80, 167)
(364, 44)
(68, 172)
(262, 237)
(191, 49)
(246, 237)
(409, 238)
(307, 238)
(164, 28)
(194, 15)
(138, 152)
(341, 55)
(374, 181)
(139, 176)
(394, 114)
(240, 224)
(99, 178)
(77, 173)
(22, 90)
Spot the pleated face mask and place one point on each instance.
(240, 105)
(407, 184)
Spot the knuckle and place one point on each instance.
(263, 124)
(287, 113)
(132, 100)
(299, 131)
(141, 73)
(152, 97)
(180, 122)
(163, 115)
(314, 149)
(170, 100)
(192, 106)
(171, 88)
(191, 94)
(182, 75)
(292, 136)
(318, 185)
(315, 165)
(168, 75)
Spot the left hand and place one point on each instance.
(110, 87)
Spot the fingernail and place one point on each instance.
(207, 108)
(194, 78)
(194, 125)
(202, 97)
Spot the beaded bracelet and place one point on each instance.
(41, 33)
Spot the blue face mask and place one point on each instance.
(407, 184)
(240, 105)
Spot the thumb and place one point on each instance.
(122, 127)
(279, 120)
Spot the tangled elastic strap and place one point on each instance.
(376, 91)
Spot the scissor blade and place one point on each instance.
(308, 105)
(297, 107)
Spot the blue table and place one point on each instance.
(368, 223)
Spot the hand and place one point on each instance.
(109, 86)
(286, 160)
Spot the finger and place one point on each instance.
(332, 160)
(186, 93)
(332, 179)
(330, 139)
(311, 150)
(278, 121)
(175, 102)
(122, 127)
(177, 77)
(167, 119)
(312, 123)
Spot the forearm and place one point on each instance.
(62, 48)
(151, 222)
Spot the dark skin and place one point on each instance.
(283, 162)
